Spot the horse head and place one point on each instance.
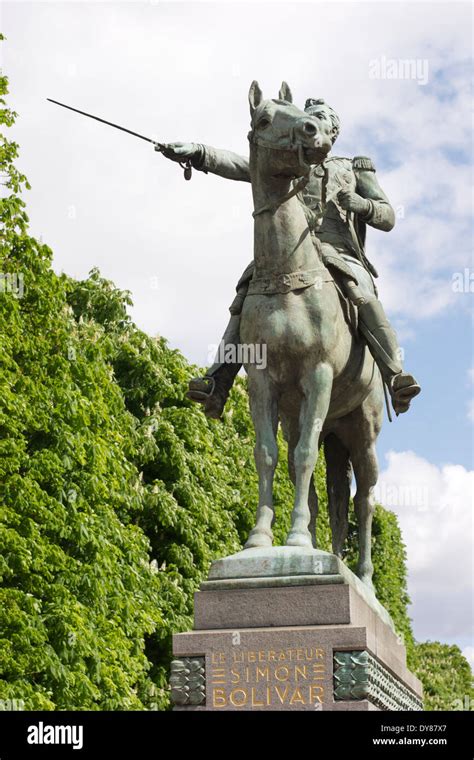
(292, 140)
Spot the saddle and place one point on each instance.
(332, 268)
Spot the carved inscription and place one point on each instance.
(247, 679)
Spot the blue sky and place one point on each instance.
(441, 428)
(178, 71)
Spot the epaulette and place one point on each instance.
(362, 162)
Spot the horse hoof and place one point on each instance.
(295, 538)
(259, 538)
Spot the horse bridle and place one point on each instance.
(295, 146)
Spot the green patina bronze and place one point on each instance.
(342, 196)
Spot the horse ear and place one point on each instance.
(255, 96)
(285, 93)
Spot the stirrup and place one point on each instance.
(201, 388)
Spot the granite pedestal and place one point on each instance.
(290, 628)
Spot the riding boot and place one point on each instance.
(383, 346)
(213, 389)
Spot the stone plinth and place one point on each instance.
(290, 629)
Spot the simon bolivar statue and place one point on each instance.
(341, 198)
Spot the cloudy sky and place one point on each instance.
(181, 71)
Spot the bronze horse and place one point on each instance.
(320, 380)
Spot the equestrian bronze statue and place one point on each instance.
(309, 297)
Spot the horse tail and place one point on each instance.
(338, 483)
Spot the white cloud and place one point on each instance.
(411, 294)
(435, 511)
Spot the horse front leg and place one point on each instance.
(264, 410)
(313, 503)
(317, 388)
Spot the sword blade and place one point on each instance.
(109, 123)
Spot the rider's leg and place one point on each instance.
(213, 389)
(382, 342)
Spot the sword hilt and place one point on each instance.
(187, 167)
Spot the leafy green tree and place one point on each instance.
(445, 675)
(78, 593)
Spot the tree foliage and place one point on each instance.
(445, 675)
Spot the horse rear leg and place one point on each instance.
(316, 388)
(359, 433)
(264, 410)
(338, 483)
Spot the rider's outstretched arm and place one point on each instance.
(204, 158)
(224, 163)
